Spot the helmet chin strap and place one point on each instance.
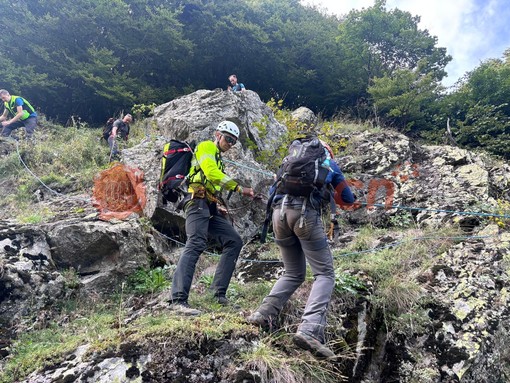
(217, 138)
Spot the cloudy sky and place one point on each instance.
(471, 30)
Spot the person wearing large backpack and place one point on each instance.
(204, 219)
(120, 128)
(21, 113)
(298, 194)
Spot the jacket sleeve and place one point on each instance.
(340, 184)
(206, 158)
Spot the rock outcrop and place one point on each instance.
(41, 265)
(463, 339)
(194, 118)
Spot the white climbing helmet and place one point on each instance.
(228, 127)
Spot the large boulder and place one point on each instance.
(431, 182)
(305, 116)
(40, 265)
(194, 117)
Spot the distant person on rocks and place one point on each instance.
(17, 113)
(120, 128)
(234, 85)
(205, 219)
(300, 235)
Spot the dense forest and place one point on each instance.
(95, 58)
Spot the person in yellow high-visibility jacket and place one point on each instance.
(205, 220)
(17, 113)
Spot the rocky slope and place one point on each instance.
(457, 332)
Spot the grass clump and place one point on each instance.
(149, 281)
(37, 349)
(267, 360)
(392, 269)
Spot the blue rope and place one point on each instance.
(398, 243)
(250, 168)
(480, 214)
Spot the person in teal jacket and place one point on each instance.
(17, 113)
(234, 85)
(204, 219)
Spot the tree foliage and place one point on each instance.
(480, 109)
(90, 57)
(97, 58)
(388, 44)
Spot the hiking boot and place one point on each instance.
(115, 158)
(308, 342)
(258, 319)
(223, 301)
(183, 308)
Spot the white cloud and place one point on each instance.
(471, 30)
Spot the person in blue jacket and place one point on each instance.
(300, 235)
(234, 85)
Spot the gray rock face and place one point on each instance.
(194, 118)
(26, 272)
(34, 261)
(101, 252)
(433, 181)
(472, 319)
(196, 115)
(305, 116)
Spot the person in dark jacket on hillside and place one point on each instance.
(300, 235)
(120, 129)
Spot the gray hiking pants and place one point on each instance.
(30, 123)
(204, 222)
(114, 147)
(298, 245)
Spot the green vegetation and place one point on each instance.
(374, 65)
(273, 365)
(61, 161)
(36, 349)
(149, 281)
(392, 271)
(103, 327)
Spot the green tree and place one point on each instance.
(90, 57)
(378, 43)
(404, 99)
(479, 107)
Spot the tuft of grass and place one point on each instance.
(366, 239)
(274, 365)
(148, 281)
(71, 278)
(36, 215)
(212, 325)
(392, 271)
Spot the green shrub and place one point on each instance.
(148, 281)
